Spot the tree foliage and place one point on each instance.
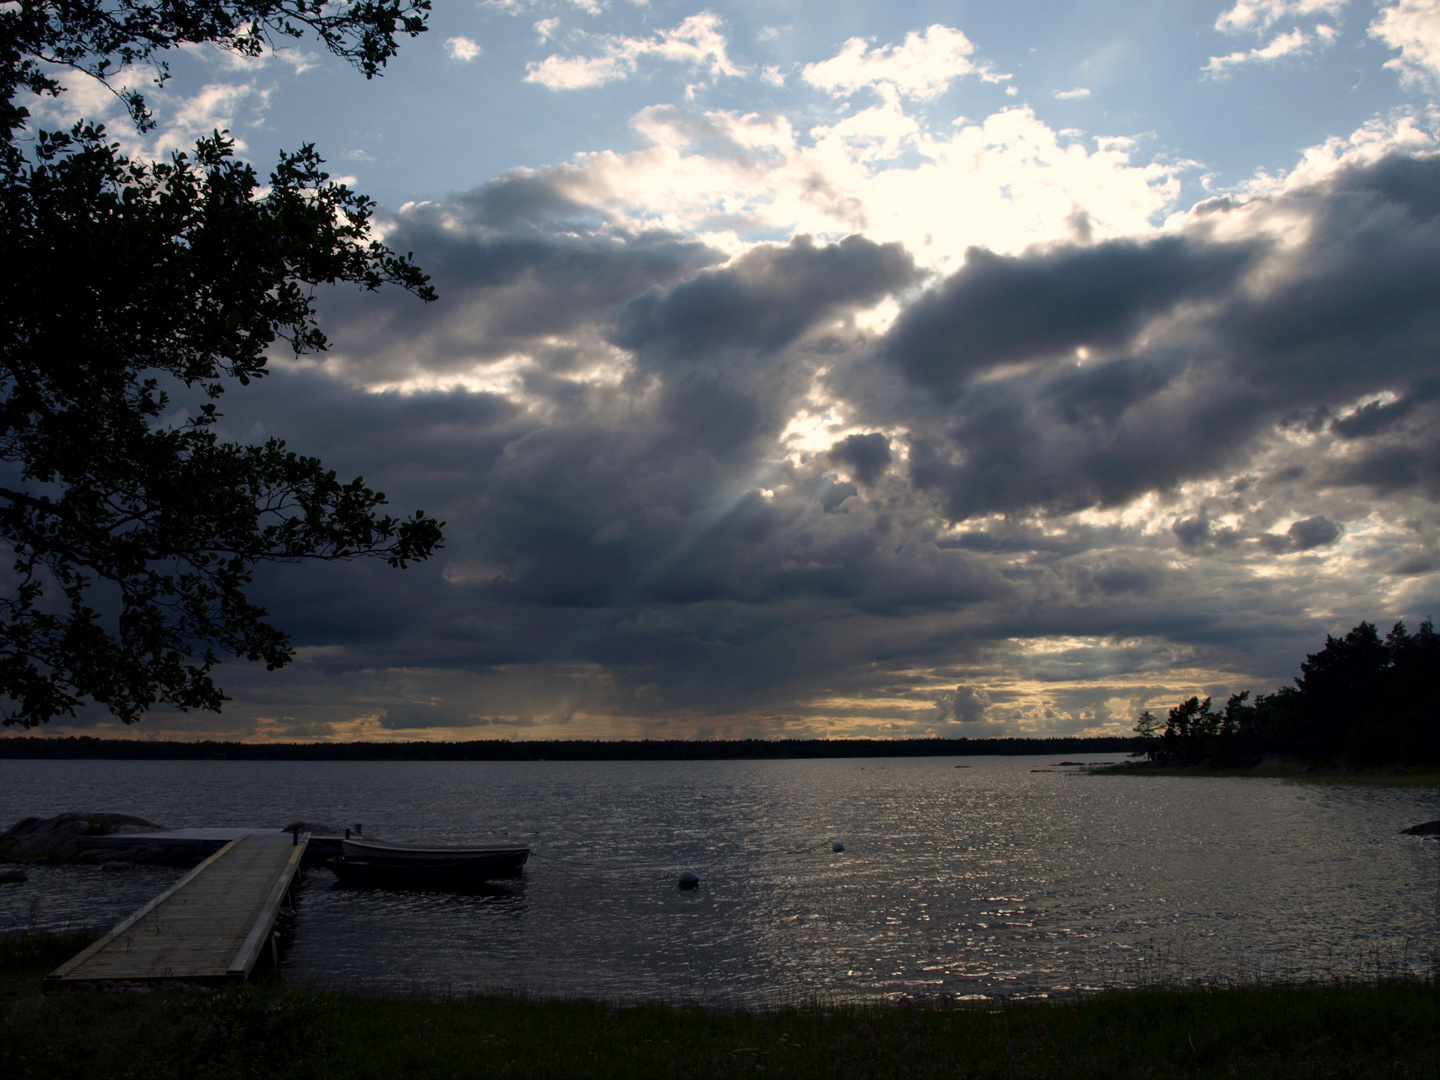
(1361, 700)
(104, 38)
(133, 293)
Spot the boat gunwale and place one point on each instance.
(381, 849)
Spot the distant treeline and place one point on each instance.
(1359, 700)
(86, 746)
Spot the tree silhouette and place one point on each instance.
(132, 289)
(1359, 700)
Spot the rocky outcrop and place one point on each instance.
(68, 837)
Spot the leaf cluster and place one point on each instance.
(102, 38)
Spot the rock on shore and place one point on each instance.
(67, 837)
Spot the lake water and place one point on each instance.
(990, 879)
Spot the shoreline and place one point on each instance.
(1389, 776)
(275, 1028)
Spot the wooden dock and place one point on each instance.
(211, 926)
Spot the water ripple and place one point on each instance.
(975, 882)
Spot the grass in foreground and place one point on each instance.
(277, 1030)
(1418, 776)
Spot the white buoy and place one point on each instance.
(689, 880)
(837, 846)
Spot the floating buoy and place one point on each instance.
(689, 880)
(837, 846)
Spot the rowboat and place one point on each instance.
(376, 863)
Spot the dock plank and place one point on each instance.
(209, 927)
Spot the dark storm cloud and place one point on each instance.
(1304, 535)
(1393, 466)
(1313, 532)
(1204, 346)
(1013, 445)
(713, 340)
(641, 534)
(599, 518)
(412, 715)
(516, 263)
(1357, 306)
(1125, 575)
(524, 198)
(867, 456)
(999, 309)
(762, 302)
(1375, 417)
(1410, 182)
(1398, 444)
(648, 546)
(1098, 395)
(1191, 530)
(965, 705)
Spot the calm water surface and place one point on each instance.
(983, 880)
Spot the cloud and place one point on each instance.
(524, 273)
(696, 43)
(734, 178)
(462, 48)
(216, 106)
(1086, 376)
(236, 100)
(1259, 15)
(999, 309)
(1313, 532)
(1302, 535)
(297, 60)
(212, 109)
(922, 67)
(1297, 42)
(962, 708)
(866, 456)
(654, 538)
(708, 483)
(713, 338)
(729, 439)
(1383, 415)
(1071, 95)
(762, 301)
(1413, 27)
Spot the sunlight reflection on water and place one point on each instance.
(984, 880)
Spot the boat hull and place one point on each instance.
(372, 873)
(423, 853)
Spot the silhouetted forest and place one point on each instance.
(1360, 700)
(560, 750)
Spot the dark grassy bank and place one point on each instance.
(1418, 776)
(1388, 1029)
(85, 746)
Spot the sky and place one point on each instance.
(851, 369)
